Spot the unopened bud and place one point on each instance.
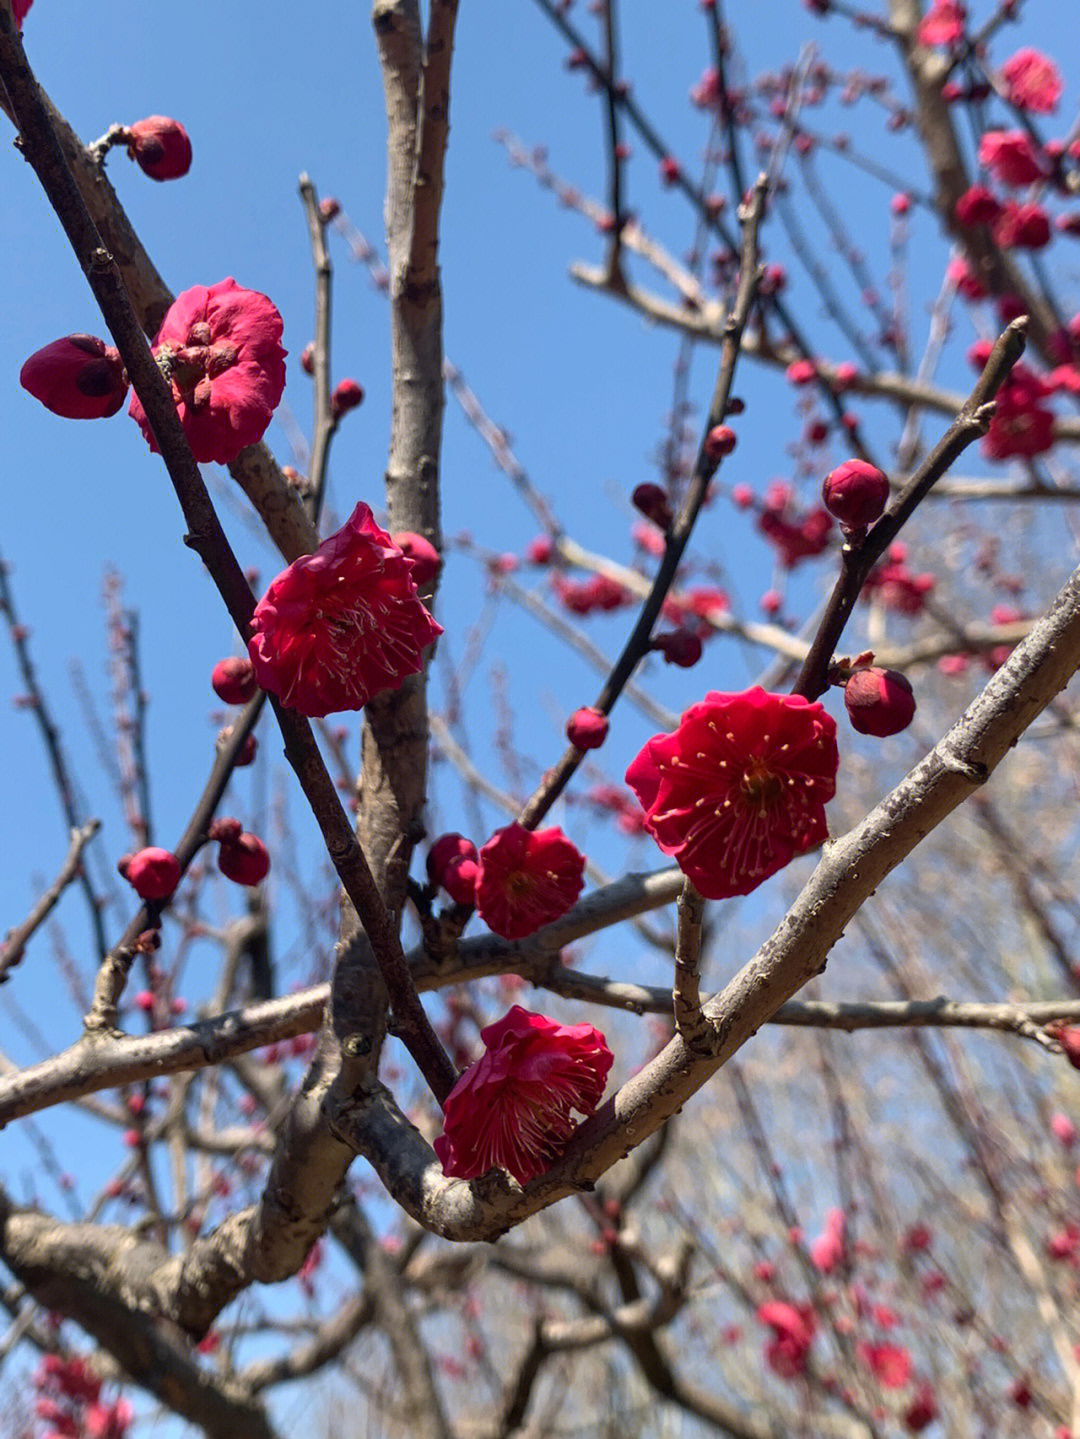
(78, 377)
(244, 861)
(587, 728)
(879, 702)
(421, 554)
(153, 873)
(233, 680)
(678, 647)
(159, 146)
(347, 395)
(856, 493)
(653, 503)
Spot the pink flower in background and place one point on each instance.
(79, 377)
(220, 347)
(1032, 81)
(513, 1106)
(528, 878)
(890, 1364)
(793, 1333)
(740, 788)
(342, 624)
(827, 1250)
(943, 23)
(1011, 157)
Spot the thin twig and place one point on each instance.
(15, 941)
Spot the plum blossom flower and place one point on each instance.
(890, 1364)
(740, 788)
(943, 23)
(220, 348)
(342, 624)
(827, 1250)
(21, 9)
(1021, 227)
(1032, 81)
(793, 1330)
(1011, 156)
(528, 878)
(79, 377)
(513, 1106)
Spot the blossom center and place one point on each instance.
(761, 788)
(194, 364)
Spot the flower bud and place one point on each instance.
(329, 209)
(159, 146)
(233, 680)
(653, 503)
(541, 551)
(421, 554)
(446, 848)
(459, 879)
(1069, 1039)
(307, 358)
(856, 493)
(347, 395)
(879, 702)
(720, 441)
(153, 873)
(78, 377)
(587, 728)
(244, 860)
(225, 830)
(678, 647)
(245, 755)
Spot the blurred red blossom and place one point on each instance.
(513, 1106)
(1011, 156)
(943, 23)
(1032, 81)
(793, 1329)
(890, 1364)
